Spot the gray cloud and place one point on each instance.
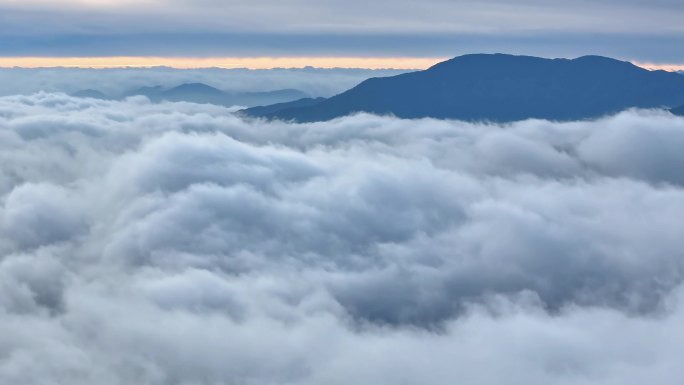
(632, 30)
(178, 244)
(354, 16)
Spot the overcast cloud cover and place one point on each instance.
(642, 30)
(177, 244)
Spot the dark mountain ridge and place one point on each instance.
(678, 110)
(504, 88)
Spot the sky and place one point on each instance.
(637, 30)
(177, 243)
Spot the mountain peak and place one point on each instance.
(484, 58)
(595, 60)
(195, 87)
(501, 87)
(523, 61)
(598, 59)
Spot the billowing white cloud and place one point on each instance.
(175, 243)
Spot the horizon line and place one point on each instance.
(252, 63)
(255, 63)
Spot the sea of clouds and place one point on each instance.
(177, 243)
(115, 82)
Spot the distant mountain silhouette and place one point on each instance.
(194, 92)
(264, 111)
(678, 111)
(504, 88)
(151, 92)
(93, 94)
(268, 97)
(202, 93)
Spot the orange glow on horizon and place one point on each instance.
(248, 62)
(664, 67)
(226, 62)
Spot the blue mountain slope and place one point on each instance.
(265, 111)
(678, 111)
(505, 88)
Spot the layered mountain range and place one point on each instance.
(202, 93)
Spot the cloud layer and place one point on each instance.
(338, 17)
(115, 82)
(647, 31)
(177, 244)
